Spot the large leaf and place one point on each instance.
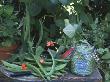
(34, 8)
(35, 69)
(86, 18)
(60, 23)
(12, 67)
(26, 28)
(106, 56)
(38, 52)
(41, 34)
(57, 68)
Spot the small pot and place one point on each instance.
(5, 53)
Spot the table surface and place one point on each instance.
(95, 77)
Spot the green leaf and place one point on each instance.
(13, 57)
(34, 8)
(79, 8)
(107, 81)
(41, 34)
(52, 52)
(26, 28)
(60, 41)
(40, 66)
(58, 73)
(8, 9)
(96, 20)
(107, 17)
(54, 76)
(38, 52)
(107, 76)
(73, 18)
(106, 56)
(57, 67)
(53, 65)
(12, 67)
(30, 43)
(35, 69)
(1, 9)
(86, 18)
(101, 51)
(60, 50)
(60, 23)
(108, 61)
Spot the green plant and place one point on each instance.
(8, 25)
(103, 63)
(47, 17)
(48, 69)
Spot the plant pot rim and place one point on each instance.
(65, 77)
(10, 48)
(27, 78)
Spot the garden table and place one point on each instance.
(95, 77)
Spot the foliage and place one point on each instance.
(8, 25)
(50, 68)
(104, 62)
(85, 19)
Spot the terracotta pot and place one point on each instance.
(5, 53)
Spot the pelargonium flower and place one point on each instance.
(23, 67)
(50, 43)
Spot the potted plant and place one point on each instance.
(8, 31)
(29, 58)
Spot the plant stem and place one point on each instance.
(41, 68)
(41, 34)
(53, 66)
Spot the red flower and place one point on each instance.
(50, 43)
(24, 67)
